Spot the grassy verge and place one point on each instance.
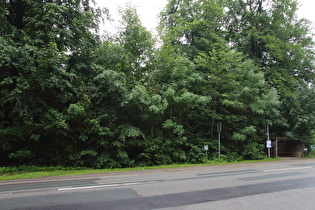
(7, 173)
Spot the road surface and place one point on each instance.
(287, 184)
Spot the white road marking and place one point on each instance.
(287, 169)
(104, 186)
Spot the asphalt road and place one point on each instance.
(287, 184)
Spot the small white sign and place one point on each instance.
(206, 147)
(268, 144)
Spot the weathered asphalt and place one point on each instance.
(285, 184)
(285, 160)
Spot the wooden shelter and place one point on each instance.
(287, 147)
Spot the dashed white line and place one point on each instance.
(104, 186)
(287, 169)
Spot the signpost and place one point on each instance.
(219, 129)
(268, 142)
(206, 148)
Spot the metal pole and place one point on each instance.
(219, 129)
(268, 140)
(219, 144)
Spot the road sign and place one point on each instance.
(219, 127)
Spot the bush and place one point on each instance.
(311, 154)
(253, 151)
(23, 168)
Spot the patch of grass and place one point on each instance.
(25, 172)
(311, 154)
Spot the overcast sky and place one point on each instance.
(149, 9)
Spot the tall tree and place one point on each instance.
(42, 46)
(240, 101)
(235, 85)
(138, 44)
(193, 26)
(270, 33)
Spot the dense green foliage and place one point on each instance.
(70, 98)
